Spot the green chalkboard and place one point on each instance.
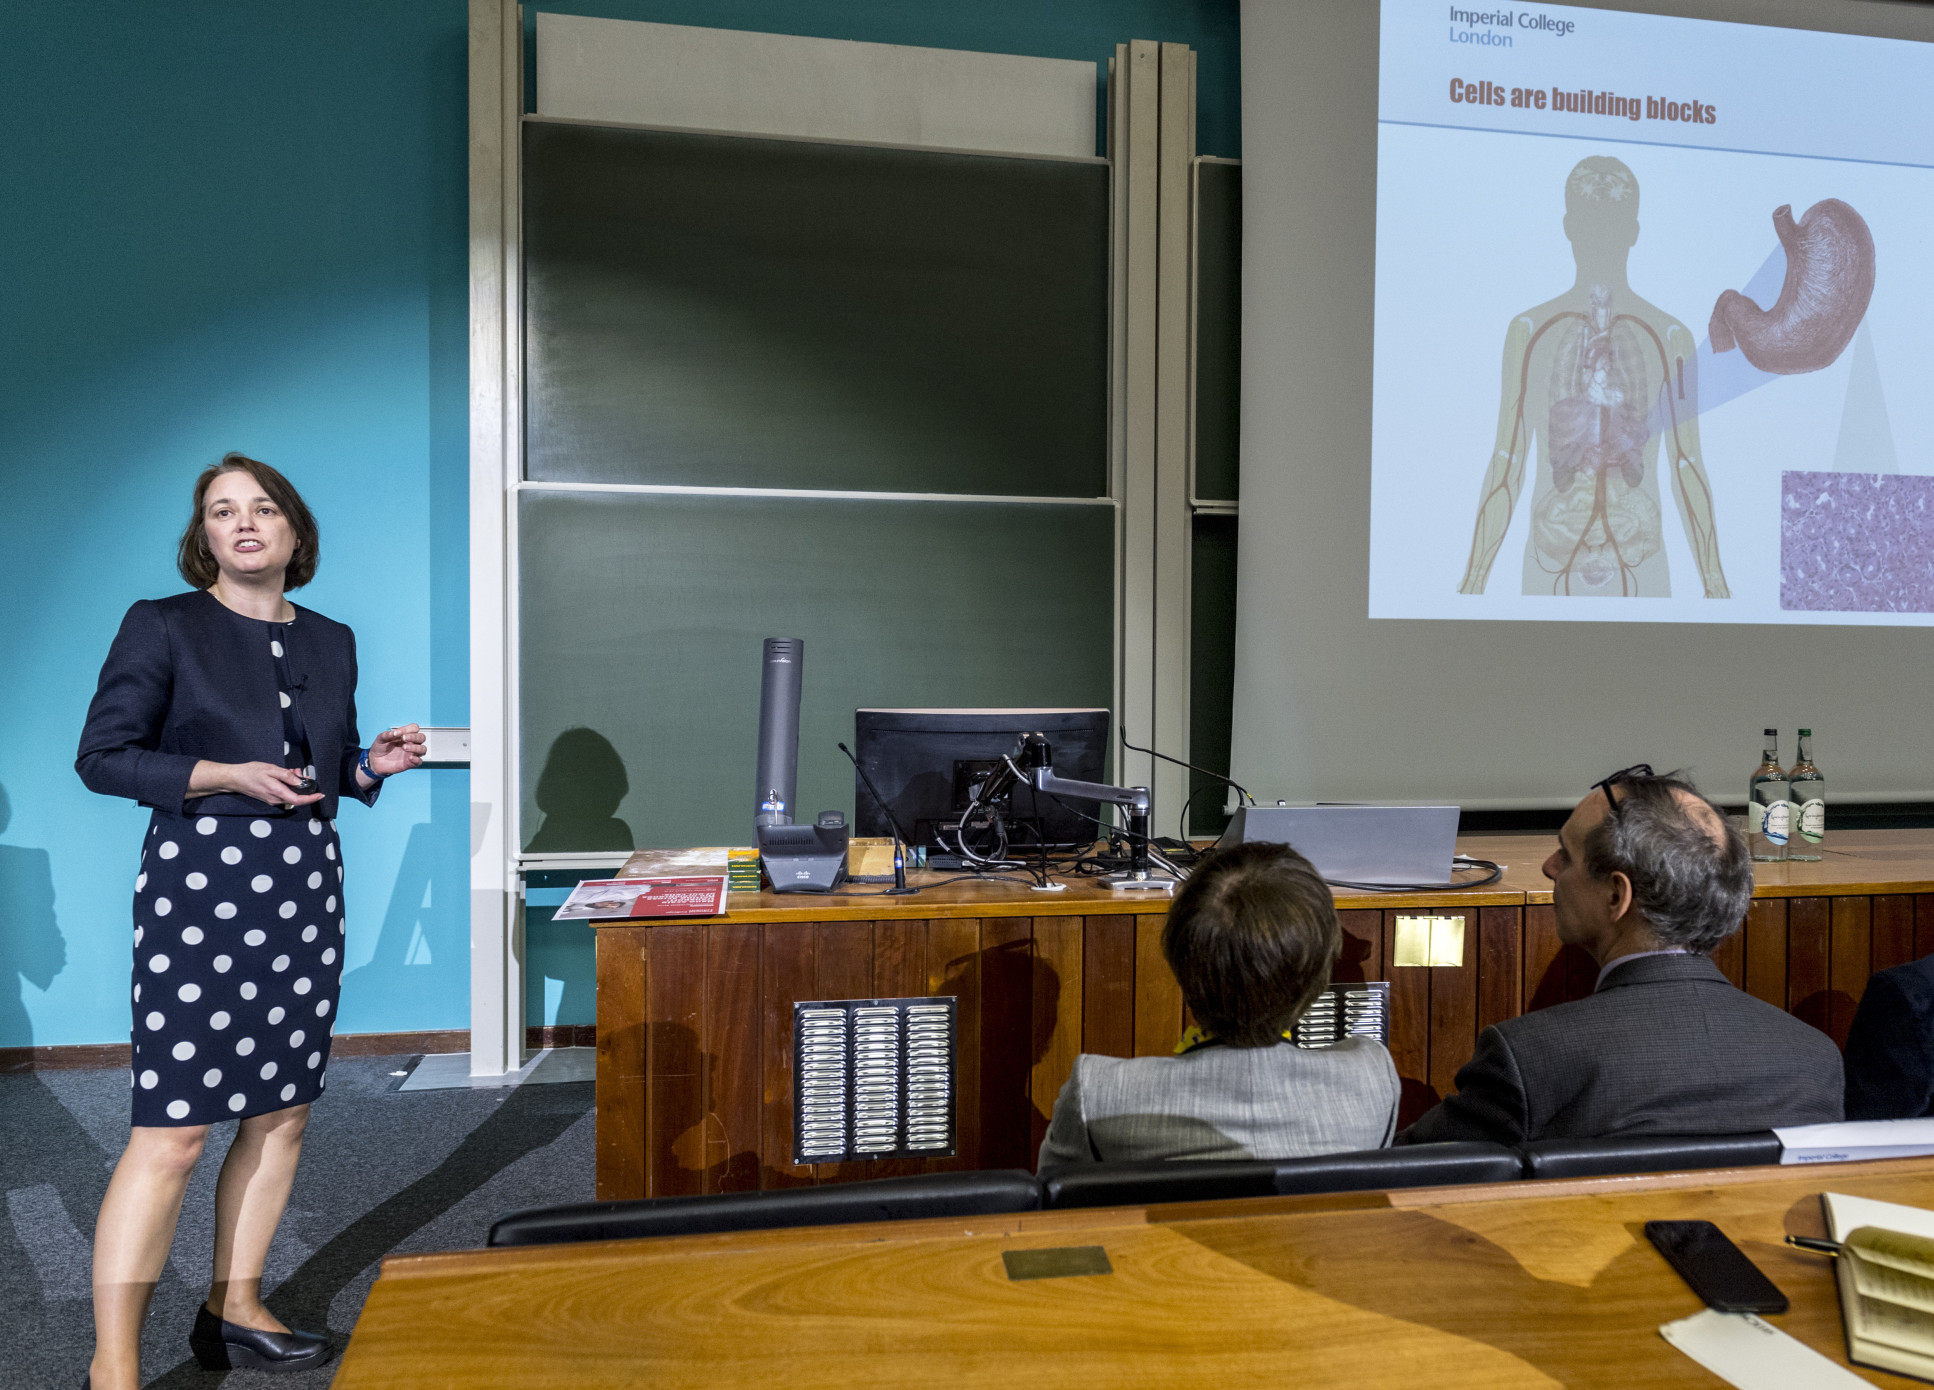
(641, 619)
(728, 311)
(1218, 329)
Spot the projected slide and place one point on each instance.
(1653, 304)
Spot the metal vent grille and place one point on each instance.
(873, 1078)
(1342, 1011)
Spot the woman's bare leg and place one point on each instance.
(249, 1199)
(131, 1239)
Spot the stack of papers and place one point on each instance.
(656, 863)
(1856, 1139)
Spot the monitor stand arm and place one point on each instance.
(1132, 799)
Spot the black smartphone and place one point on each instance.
(306, 786)
(1718, 1270)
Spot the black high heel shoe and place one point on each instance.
(220, 1345)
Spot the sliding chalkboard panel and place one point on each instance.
(727, 311)
(1212, 667)
(1218, 328)
(641, 618)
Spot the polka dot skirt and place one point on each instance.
(238, 940)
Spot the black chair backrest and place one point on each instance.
(1144, 1184)
(883, 1199)
(1648, 1153)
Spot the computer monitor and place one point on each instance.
(926, 762)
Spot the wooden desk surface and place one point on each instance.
(1496, 1286)
(1857, 862)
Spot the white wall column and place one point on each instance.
(496, 397)
(1152, 144)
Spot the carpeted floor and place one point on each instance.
(382, 1172)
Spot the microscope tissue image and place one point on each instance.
(1857, 543)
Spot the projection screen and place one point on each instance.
(1583, 418)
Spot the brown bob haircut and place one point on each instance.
(1251, 938)
(198, 567)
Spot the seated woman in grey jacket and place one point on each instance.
(1251, 938)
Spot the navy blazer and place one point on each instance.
(1890, 1046)
(188, 678)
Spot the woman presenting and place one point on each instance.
(231, 713)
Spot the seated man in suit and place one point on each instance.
(1648, 877)
(1890, 1046)
(1251, 938)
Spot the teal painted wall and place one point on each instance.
(240, 224)
(230, 226)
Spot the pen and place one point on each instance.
(1816, 1245)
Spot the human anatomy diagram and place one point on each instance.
(1606, 385)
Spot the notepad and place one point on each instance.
(1885, 1273)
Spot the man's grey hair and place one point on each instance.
(1691, 888)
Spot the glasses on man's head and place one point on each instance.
(1624, 774)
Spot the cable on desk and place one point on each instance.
(1457, 862)
(957, 878)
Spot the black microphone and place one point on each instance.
(899, 888)
(1206, 772)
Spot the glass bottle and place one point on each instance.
(1769, 811)
(1807, 789)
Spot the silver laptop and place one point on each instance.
(1358, 844)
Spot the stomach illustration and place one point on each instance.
(1829, 282)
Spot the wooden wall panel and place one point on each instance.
(1808, 960)
(843, 969)
(695, 1020)
(1893, 931)
(1453, 1010)
(953, 967)
(674, 1100)
(1730, 957)
(1362, 955)
(621, 1064)
(1765, 937)
(1581, 974)
(899, 972)
(1850, 961)
(1108, 985)
(731, 1046)
(843, 960)
(785, 976)
(1409, 1030)
(1006, 1041)
(899, 959)
(1500, 965)
(1158, 998)
(1545, 970)
(1058, 1004)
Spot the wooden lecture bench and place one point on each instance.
(694, 1067)
(1492, 1287)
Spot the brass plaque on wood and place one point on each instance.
(1057, 1262)
(1428, 941)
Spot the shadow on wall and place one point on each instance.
(419, 967)
(579, 791)
(31, 946)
